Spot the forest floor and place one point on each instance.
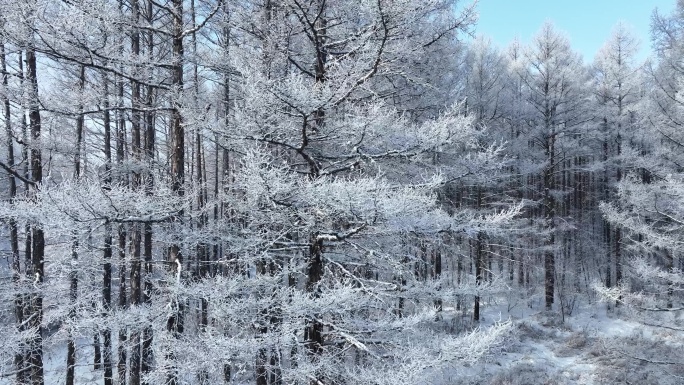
(594, 345)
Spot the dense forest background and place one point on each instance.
(325, 192)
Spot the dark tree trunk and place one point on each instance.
(12, 225)
(73, 293)
(177, 137)
(147, 356)
(97, 356)
(479, 276)
(313, 333)
(136, 235)
(123, 304)
(107, 249)
(479, 259)
(135, 300)
(123, 290)
(669, 267)
(225, 161)
(276, 375)
(550, 214)
(71, 345)
(438, 275)
(618, 234)
(35, 348)
(261, 373)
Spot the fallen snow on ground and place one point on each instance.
(55, 364)
(595, 345)
(592, 346)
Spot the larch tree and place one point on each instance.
(485, 96)
(618, 90)
(649, 204)
(557, 95)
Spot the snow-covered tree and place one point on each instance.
(556, 82)
(649, 204)
(330, 189)
(618, 91)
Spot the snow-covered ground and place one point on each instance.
(55, 364)
(593, 346)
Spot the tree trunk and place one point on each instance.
(225, 155)
(12, 225)
(260, 364)
(136, 235)
(122, 300)
(479, 276)
(313, 333)
(147, 356)
(177, 133)
(618, 234)
(437, 276)
(123, 333)
(73, 293)
(135, 300)
(107, 249)
(71, 345)
(550, 214)
(35, 350)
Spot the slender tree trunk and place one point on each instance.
(260, 364)
(123, 304)
(202, 248)
(479, 258)
(136, 231)
(73, 293)
(79, 125)
(313, 335)
(261, 356)
(177, 132)
(669, 267)
(122, 300)
(122, 348)
(107, 249)
(521, 269)
(437, 276)
(550, 214)
(276, 375)
(617, 238)
(606, 195)
(225, 155)
(71, 344)
(12, 225)
(35, 350)
(479, 276)
(135, 300)
(147, 356)
(24, 376)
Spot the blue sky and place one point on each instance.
(587, 23)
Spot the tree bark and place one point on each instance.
(136, 231)
(12, 225)
(123, 304)
(37, 236)
(550, 217)
(479, 276)
(147, 337)
(107, 249)
(177, 132)
(71, 345)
